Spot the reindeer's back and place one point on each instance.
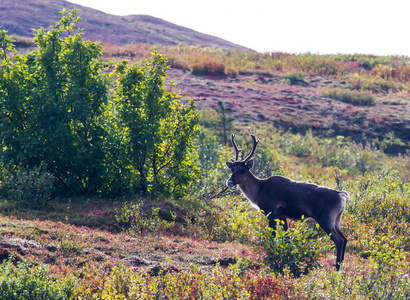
(306, 198)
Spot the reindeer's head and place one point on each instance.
(240, 168)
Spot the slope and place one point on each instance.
(19, 17)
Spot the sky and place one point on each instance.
(293, 26)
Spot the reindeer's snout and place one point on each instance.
(230, 182)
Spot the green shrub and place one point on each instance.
(97, 133)
(29, 188)
(386, 254)
(51, 108)
(155, 131)
(6, 44)
(208, 68)
(209, 157)
(372, 83)
(380, 196)
(295, 251)
(359, 281)
(382, 202)
(320, 64)
(22, 41)
(295, 77)
(28, 282)
(349, 96)
(228, 218)
(137, 220)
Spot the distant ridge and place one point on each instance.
(21, 16)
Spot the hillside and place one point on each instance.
(258, 99)
(20, 16)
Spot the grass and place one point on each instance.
(389, 70)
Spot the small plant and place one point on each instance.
(137, 221)
(349, 96)
(22, 41)
(208, 68)
(6, 44)
(295, 77)
(293, 252)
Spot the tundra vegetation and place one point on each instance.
(107, 179)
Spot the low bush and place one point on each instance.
(359, 281)
(22, 41)
(29, 188)
(208, 68)
(137, 220)
(295, 77)
(363, 82)
(294, 252)
(349, 96)
(29, 282)
(381, 202)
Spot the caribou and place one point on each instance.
(281, 198)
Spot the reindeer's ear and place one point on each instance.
(230, 165)
(249, 164)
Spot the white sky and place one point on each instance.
(316, 26)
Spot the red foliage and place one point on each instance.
(269, 287)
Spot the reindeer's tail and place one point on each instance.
(345, 195)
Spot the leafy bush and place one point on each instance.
(22, 41)
(51, 108)
(208, 68)
(382, 202)
(56, 108)
(358, 281)
(209, 157)
(349, 96)
(29, 188)
(138, 221)
(28, 282)
(295, 251)
(295, 77)
(156, 129)
(386, 254)
(6, 44)
(376, 84)
(227, 219)
(319, 64)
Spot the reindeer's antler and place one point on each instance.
(255, 142)
(236, 148)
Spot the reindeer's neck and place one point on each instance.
(251, 188)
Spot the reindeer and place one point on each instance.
(281, 198)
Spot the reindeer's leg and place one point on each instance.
(329, 226)
(272, 223)
(342, 235)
